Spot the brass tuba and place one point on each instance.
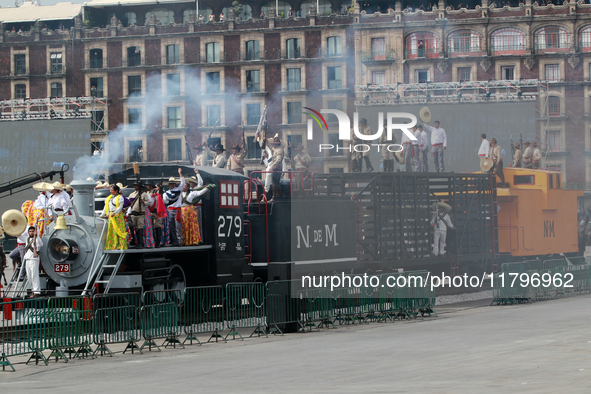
(14, 222)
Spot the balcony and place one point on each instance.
(508, 49)
(377, 56)
(465, 51)
(421, 53)
(554, 47)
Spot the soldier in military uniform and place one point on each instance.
(137, 212)
(277, 155)
(219, 157)
(497, 157)
(201, 158)
(536, 156)
(527, 155)
(517, 156)
(387, 156)
(300, 164)
(236, 160)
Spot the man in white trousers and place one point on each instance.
(32, 248)
(441, 221)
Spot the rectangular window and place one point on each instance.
(98, 121)
(334, 104)
(56, 89)
(336, 170)
(333, 45)
(421, 76)
(134, 57)
(20, 91)
(464, 74)
(134, 118)
(175, 152)
(174, 117)
(335, 80)
(212, 52)
(96, 87)
(294, 112)
(523, 180)
(213, 114)
(333, 139)
(134, 85)
(253, 114)
(553, 140)
(56, 62)
(212, 82)
(294, 79)
(253, 80)
(135, 150)
(508, 73)
(252, 50)
(254, 149)
(378, 77)
(552, 73)
(229, 194)
(20, 64)
(173, 54)
(378, 48)
(96, 58)
(293, 48)
(553, 106)
(173, 84)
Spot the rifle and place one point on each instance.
(512, 149)
(521, 142)
(211, 132)
(189, 151)
(262, 123)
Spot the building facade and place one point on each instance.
(163, 78)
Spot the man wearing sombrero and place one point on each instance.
(517, 156)
(172, 200)
(300, 164)
(496, 154)
(440, 222)
(527, 155)
(219, 157)
(277, 155)
(59, 200)
(201, 157)
(236, 160)
(140, 200)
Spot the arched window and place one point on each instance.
(464, 43)
(131, 19)
(421, 45)
(551, 39)
(163, 16)
(585, 39)
(507, 41)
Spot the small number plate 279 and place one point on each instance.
(62, 268)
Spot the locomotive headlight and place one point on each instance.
(62, 249)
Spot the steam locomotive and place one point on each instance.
(353, 223)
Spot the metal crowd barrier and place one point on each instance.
(70, 327)
(159, 318)
(23, 325)
(245, 308)
(203, 312)
(116, 320)
(284, 306)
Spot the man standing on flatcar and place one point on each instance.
(527, 155)
(387, 156)
(407, 149)
(537, 156)
(438, 145)
(496, 154)
(484, 150)
(172, 200)
(137, 212)
(219, 157)
(300, 164)
(157, 212)
(278, 153)
(517, 157)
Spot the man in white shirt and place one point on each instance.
(440, 222)
(438, 144)
(172, 200)
(424, 146)
(32, 247)
(60, 200)
(483, 151)
(407, 149)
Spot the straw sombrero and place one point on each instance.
(58, 186)
(486, 163)
(43, 187)
(446, 207)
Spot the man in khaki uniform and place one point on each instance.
(496, 156)
(236, 160)
(517, 157)
(277, 155)
(300, 164)
(387, 156)
(219, 157)
(537, 156)
(137, 211)
(201, 158)
(527, 155)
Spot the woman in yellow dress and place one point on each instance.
(116, 234)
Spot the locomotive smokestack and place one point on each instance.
(84, 197)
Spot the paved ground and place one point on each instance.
(539, 348)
